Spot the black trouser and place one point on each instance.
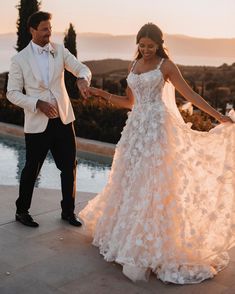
(60, 140)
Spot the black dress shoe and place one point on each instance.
(72, 219)
(26, 219)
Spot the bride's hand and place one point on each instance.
(95, 92)
(99, 93)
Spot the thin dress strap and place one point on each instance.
(133, 65)
(160, 63)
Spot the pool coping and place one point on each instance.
(84, 145)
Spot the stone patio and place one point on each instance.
(59, 258)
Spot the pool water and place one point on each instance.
(92, 170)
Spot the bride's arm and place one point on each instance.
(171, 72)
(126, 101)
(120, 101)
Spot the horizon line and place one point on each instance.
(126, 35)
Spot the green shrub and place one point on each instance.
(200, 121)
(98, 120)
(95, 119)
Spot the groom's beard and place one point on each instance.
(43, 40)
(46, 40)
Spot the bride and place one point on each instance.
(168, 206)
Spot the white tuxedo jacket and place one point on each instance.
(24, 73)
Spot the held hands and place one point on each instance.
(83, 87)
(100, 93)
(47, 108)
(97, 92)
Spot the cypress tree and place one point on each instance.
(25, 8)
(70, 40)
(70, 79)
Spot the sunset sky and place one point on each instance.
(201, 18)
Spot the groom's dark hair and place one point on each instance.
(35, 19)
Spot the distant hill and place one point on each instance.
(99, 67)
(91, 46)
(178, 44)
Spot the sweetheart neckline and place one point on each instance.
(152, 70)
(142, 73)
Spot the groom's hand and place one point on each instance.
(47, 108)
(83, 87)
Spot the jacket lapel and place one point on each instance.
(33, 64)
(51, 62)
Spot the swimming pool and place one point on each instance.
(92, 170)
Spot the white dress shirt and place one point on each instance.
(42, 59)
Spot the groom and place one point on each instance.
(36, 83)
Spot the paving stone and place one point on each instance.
(58, 258)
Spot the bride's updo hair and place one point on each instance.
(152, 32)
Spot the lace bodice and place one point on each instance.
(147, 87)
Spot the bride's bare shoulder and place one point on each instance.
(168, 63)
(168, 66)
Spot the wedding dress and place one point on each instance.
(169, 204)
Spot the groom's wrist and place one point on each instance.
(81, 79)
(38, 103)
